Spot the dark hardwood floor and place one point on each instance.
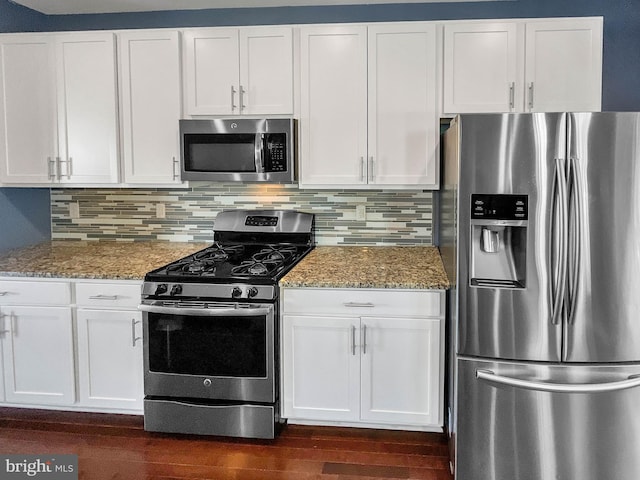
(117, 447)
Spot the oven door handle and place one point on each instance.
(210, 311)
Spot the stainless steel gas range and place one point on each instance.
(211, 327)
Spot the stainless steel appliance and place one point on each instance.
(238, 150)
(210, 324)
(540, 229)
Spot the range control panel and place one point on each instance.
(261, 221)
(499, 207)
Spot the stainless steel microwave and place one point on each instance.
(238, 150)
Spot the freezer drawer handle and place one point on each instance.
(489, 376)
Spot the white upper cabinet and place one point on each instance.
(402, 106)
(87, 108)
(523, 66)
(58, 109)
(563, 65)
(150, 105)
(480, 67)
(247, 71)
(28, 136)
(333, 97)
(368, 106)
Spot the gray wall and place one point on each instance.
(24, 217)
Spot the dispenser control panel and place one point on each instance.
(499, 207)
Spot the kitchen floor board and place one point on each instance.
(117, 447)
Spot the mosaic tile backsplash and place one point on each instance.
(392, 217)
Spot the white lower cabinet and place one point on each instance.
(36, 336)
(109, 332)
(363, 357)
(38, 355)
(94, 365)
(110, 358)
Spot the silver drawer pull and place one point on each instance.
(103, 297)
(359, 304)
(2, 294)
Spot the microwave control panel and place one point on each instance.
(275, 152)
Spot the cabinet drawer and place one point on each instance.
(362, 302)
(108, 295)
(17, 292)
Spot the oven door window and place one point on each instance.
(224, 153)
(225, 346)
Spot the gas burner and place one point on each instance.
(275, 253)
(219, 253)
(256, 268)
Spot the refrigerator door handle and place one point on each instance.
(575, 237)
(489, 376)
(560, 209)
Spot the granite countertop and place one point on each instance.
(369, 267)
(86, 259)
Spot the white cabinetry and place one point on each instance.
(363, 357)
(109, 345)
(246, 71)
(37, 342)
(58, 109)
(368, 106)
(523, 66)
(150, 102)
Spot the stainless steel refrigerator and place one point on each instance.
(540, 233)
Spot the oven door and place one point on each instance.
(221, 352)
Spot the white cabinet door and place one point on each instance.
(402, 105)
(266, 71)
(401, 371)
(231, 71)
(211, 71)
(480, 67)
(563, 66)
(150, 105)
(87, 107)
(38, 355)
(110, 367)
(333, 117)
(28, 136)
(321, 368)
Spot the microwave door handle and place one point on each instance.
(259, 152)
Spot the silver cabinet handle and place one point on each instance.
(2, 294)
(530, 89)
(242, 92)
(134, 339)
(512, 95)
(58, 170)
(51, 168)
(359, 304)
(362, 169)
(489, 376)
(69, 167)
(103, 297)
(176, 169)
(233, 98)
(370, 169)
(353, 340)
(68, 162)
(364, 339)
(3, 331)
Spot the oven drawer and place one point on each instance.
(110, 295)
(34, 293)
(182, 416)
(361, 302)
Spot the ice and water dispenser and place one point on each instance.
(498, 240)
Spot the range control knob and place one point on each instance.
(252, 292)
(236, 292)
(176, 290)
(161, 288)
